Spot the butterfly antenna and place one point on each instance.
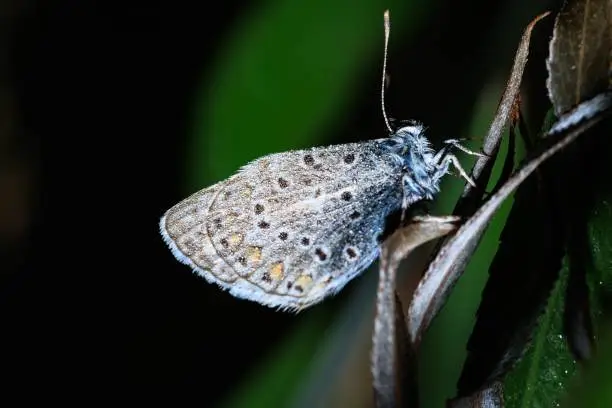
(384, 71)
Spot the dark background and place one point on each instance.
(97, 100)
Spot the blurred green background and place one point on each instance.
(140, 105)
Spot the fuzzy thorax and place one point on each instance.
(422, 167)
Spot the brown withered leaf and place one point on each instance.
(580, 53)
(471, 198)
(393, 364)
(481, 171)
(450, 261)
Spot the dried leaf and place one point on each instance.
(580, 53)
(482, 168)
(450, 261)
(391, 348)
(582, 112)
(431, 287)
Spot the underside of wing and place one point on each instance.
(184, 229)
(295, 227)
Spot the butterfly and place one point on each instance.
(291, 228)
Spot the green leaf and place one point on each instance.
(599, 279)
(541, 377)
(593, 390)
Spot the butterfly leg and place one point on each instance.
(451, 159)
(456, 143)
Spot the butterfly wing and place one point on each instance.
(289, 228)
